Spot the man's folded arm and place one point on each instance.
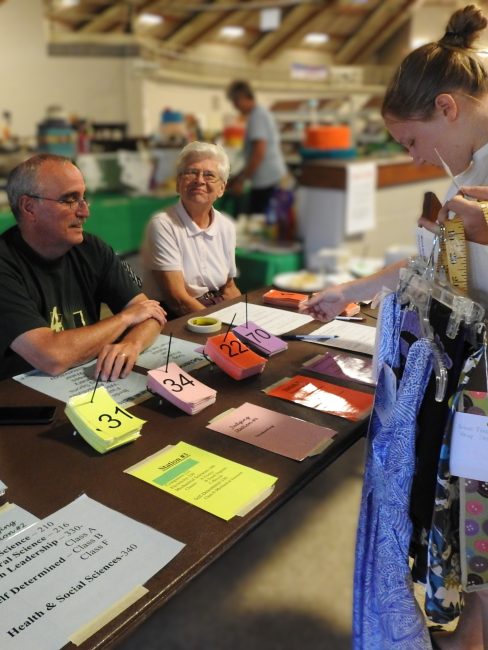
(55, 352)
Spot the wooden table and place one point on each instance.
(45, 468)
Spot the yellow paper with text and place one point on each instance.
(215, 484)
(104, 416)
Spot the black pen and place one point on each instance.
(308, 337)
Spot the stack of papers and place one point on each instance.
(180, 388)
(213, 483)
(101, 421)
(70, 591)
(259, 339)
(343, 366)
(233, 357)
(317, 394)
(276, 432)
(287, 299)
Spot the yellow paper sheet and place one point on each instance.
(215, 484)
(104, 416)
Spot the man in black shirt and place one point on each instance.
(54, 277)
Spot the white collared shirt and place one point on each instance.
(174, 242)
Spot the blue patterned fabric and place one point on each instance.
(386, 615)
(388, 329)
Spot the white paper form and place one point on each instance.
(360, 197)
(64, 571)
(469, 446)
(182, 353)
(275, 321)
(126, 392)
(351, 336)
(13, 518)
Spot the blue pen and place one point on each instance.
(308, 337)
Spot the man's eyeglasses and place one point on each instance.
(72, 204)
(194, 174)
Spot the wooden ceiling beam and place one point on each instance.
(375, 31)
(199, 23)
(106, 19)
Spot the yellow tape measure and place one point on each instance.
(453, 252)
(452, 255)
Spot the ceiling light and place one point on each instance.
(232, 31)
(269, 19)
(150, 19)
(69, 3)
(316, 38)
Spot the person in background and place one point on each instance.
(188, 253)
(437, 106)
(54, 277)
(264, 165)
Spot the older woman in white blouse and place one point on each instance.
(188, 253)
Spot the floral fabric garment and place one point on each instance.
(443, 578)
(443, 601)
(474, 537)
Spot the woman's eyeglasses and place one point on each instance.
(194, 174)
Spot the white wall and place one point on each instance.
(99, 88)
(30, 80)
(209, 105)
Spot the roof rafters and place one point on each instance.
(273, 40)
(375, 31)
(106, 19)
(199, 24)
(356, 32)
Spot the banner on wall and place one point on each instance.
(309, 72)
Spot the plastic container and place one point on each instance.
(328, 137)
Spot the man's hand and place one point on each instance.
(138, 312)
(325, 305)
(116, 360)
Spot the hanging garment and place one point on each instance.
(443, 600)
(386, 614)
(474, 534)
(474, 491)
(431, 420)
(449, 527)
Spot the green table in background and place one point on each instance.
(258, 268)
(118, 220)
(6, 219)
